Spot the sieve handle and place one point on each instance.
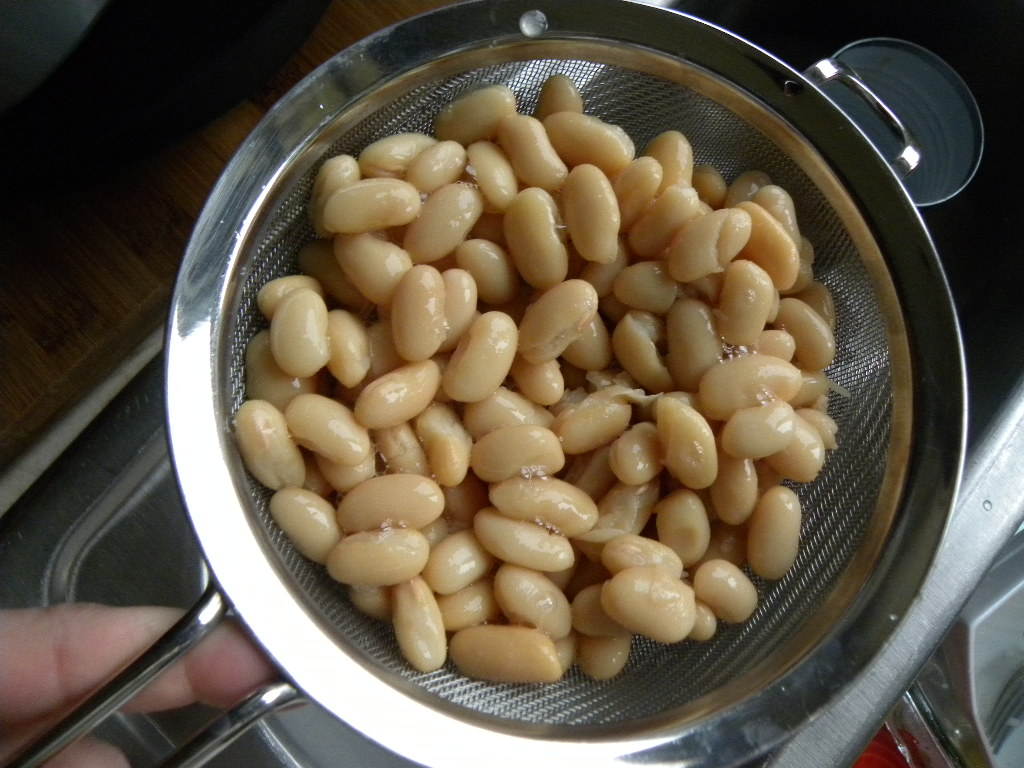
(832, 70)
(175, 643)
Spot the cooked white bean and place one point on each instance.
(776, 343)
(591, 213)
(350, 347)
(496, 279)
(268, 296)
(706, 244)
(391, 155)
(264, 379)
(505, 654)
(627, 508)
(779, 204)
(635, 455)
(490, 166)
(418, 313)
(419, 628)
(646, 285)
(675, 154)
(694, 345)
(390, 501)
(688, 442)
(328, 427)
(336, 172)
(682, 524)
(530, 152)
(548, 501)
(711, 186)
(636, 341)
(482, 359)
(400, 449)
(298, 333)
(344, 478)
(379, 558)
(457, 561)
(592, 351)
(469, 606)
(369, 205)
(373, 601)
(635, 187)
(773, 537)
(446, 217)
(596, 421)
(522, 541)
(726, 590)
(728, 542)
(437, 165)
(734, 492)
(602, 658)
(374, 266)
(397, 396)
(591, 472)
(316, 258)
(770, 247)
(649, 601)
(582, 139)
(535, 238)
(803, 457)
(659, 222)
(461, 502)
(460, 305)
(745, 186)
(445, 441)
(542, 383)
(589, 616)
(818, 297)
(521, 450)
(475, 115)
(825, 424)
(501, 409)
(745, 381)
(308, 521)
(745, 302)
(629, 550)
(815, 342)
(555, 319)
(530, 598)
(558, 94)
(759, 430)
(706, 623)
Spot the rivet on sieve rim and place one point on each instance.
(533, 23)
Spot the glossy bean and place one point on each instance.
(711, 186)
(694, 345)
(495, 276)
(591, 213)
(635, 187)
(744, 187)
(530, 598)
(803, 457)
(629, 550)
(456, 562)
(542, 383)
(745, 381)
(298, 333)
(335, 172)
(445, 441)
(505, 654)
(350, 347)
(707, 244)
(602, 658)
(734, 492)
(328, 428)
(770, 247)
(522, 542)
(501, 409)
(688, 443)
(594, 422)
(647, 286)
(308, 521)
(759, 430)
(558, 94)
(744, 303)
(548, 501)
(592, 350)
(682, 523)
(343, 478)
(724, 588)
(675, 154)
(400, 449)
(316, 258)
(374, 266)
(474, 116)
(649, 601)
(369, 205)
(444, 221)
(378, 558)
(627, 508)
(398, 395)
(469, 606)
(555, 319)
(778, 202)
(482, 359)
(419, 628)
(660, 221)
(529, 150)
(488, 164)
(522, 450)
(460, 305)
(391, 155)
(635, 455)
(773, 536)
(264, 379)
(390, 501)
(270, 293)
(535, 239)
(437, 165)
(418, 313)
(635, 342)
(583, 139)
(815, 341)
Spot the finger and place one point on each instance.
(89, 753)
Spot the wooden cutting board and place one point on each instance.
(87, 271)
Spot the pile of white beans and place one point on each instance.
(534, 394)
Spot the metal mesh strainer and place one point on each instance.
(648, 71)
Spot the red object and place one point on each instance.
(883, 752)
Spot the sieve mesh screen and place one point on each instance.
(838, 506)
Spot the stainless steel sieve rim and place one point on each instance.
(235, 548)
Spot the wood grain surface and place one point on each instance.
(88, 267)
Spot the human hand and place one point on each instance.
(51, 658)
